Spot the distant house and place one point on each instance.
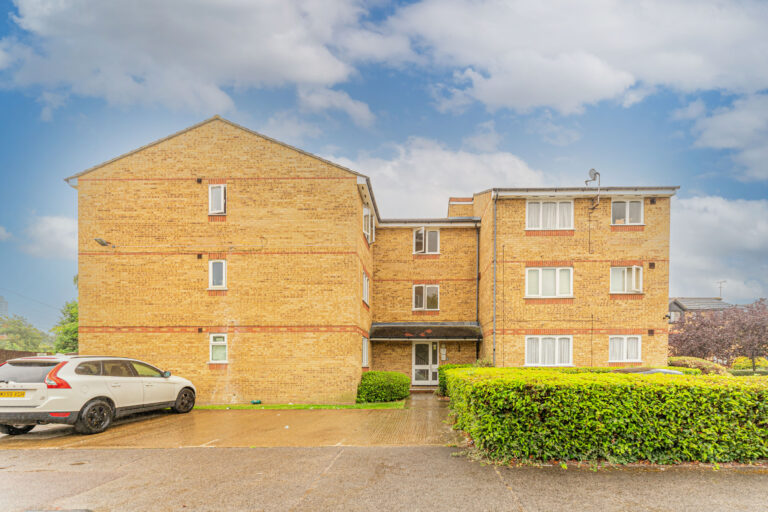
(679, 306)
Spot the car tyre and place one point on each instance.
(184, 402)
(95, 417)
(15, 430)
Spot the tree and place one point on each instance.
(750, 324)
(66, 328)
(704, 335)
(21, 335)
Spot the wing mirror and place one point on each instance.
(166, 374)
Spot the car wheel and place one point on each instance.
(95, 417)
(15, 430)
(184, 402)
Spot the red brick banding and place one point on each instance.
(628, 228)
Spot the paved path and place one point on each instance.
(423, 423)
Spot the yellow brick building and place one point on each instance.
(260, 271)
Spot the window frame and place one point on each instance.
(426, 230)
(212, 344)
(557, 338)
(626, 202)
(632, 290)
(625, 338)
(222, 286)
(366, 289)
(223, 187)
(366, 355)
(557, 283)
(424, 306)
(369, 226)
(557, 214)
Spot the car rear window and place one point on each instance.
(26, 371)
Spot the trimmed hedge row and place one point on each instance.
(706, 367)
(745, 363)
(546, 415)
(383, 387)
(760, 372)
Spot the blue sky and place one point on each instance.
(430, 98)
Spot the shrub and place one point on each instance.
(745, 363)
(546, 415)
(383, 387)
(760, 372)
(442, 389)
(706, 367)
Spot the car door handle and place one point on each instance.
(148, 385)
(115, 385)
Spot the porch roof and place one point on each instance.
(426, 330)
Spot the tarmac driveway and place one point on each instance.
(423, 423)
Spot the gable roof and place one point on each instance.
(700, 303)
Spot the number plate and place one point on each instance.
(12, 394)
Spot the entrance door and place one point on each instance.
(425, 363)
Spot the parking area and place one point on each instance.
(422, 423)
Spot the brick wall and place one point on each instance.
(6, 355)
(397, 356)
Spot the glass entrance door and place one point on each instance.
(425, 363)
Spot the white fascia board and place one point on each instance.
(666, 192)
(414, 225)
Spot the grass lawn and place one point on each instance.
(372, 405)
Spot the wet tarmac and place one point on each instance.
(422, 423)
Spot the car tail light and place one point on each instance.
(59, 414)
(53, 381)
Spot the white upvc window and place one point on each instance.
(549, 350)
(366, 357)
(426, 297)
(674, 316)
(366, 288)
(369, 226)
(624, 349)
(426, 241)
(628, 211)
(549, 282)
(218, 348)
(548, 215)
(217, 199)
(627, 279)
(217, 274)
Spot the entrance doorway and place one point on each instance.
(425, 361)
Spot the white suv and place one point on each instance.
(87, 392)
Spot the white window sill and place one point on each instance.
(218, 362)
(217, 289)
(628, 224)
(549, 229)
(627, 293)
(627, 361)
(548, 365)
(425, 310)
(217, 213)
(424, 253)
(548, 296)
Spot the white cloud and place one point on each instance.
(692, 110)
(4, 234)
(715, 239)
(418, 180)
(288, 127)
(553, 133)
(485, 138)
(51, 237)
(743, 129)
(184, 54)
(50, 101)
(566, 55)
(321, 99)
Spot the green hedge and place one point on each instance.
(383, 387)
(442, 386)
(552, 415)
(745, 363)
(760, 372)
(706, 367)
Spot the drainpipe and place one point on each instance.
(494, 198)
(477, 274)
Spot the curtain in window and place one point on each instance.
(616, 349)
(217, 273)
(617, 279)
(619, 212)
(635, 209)
(548, 282)
(564, 215)
(564, 284)
(637, 278)
(534, 215)
(532, 351)
(548, 351)
(633, 348)
(432, 241)
(217, 199)
(418, 297)
(533, 282)
(564, 351)
(549, 215)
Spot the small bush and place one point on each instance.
(442, 389)
(706, 367)
(745, 363)
(761, 372)
(553, 415)
(383, 387)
